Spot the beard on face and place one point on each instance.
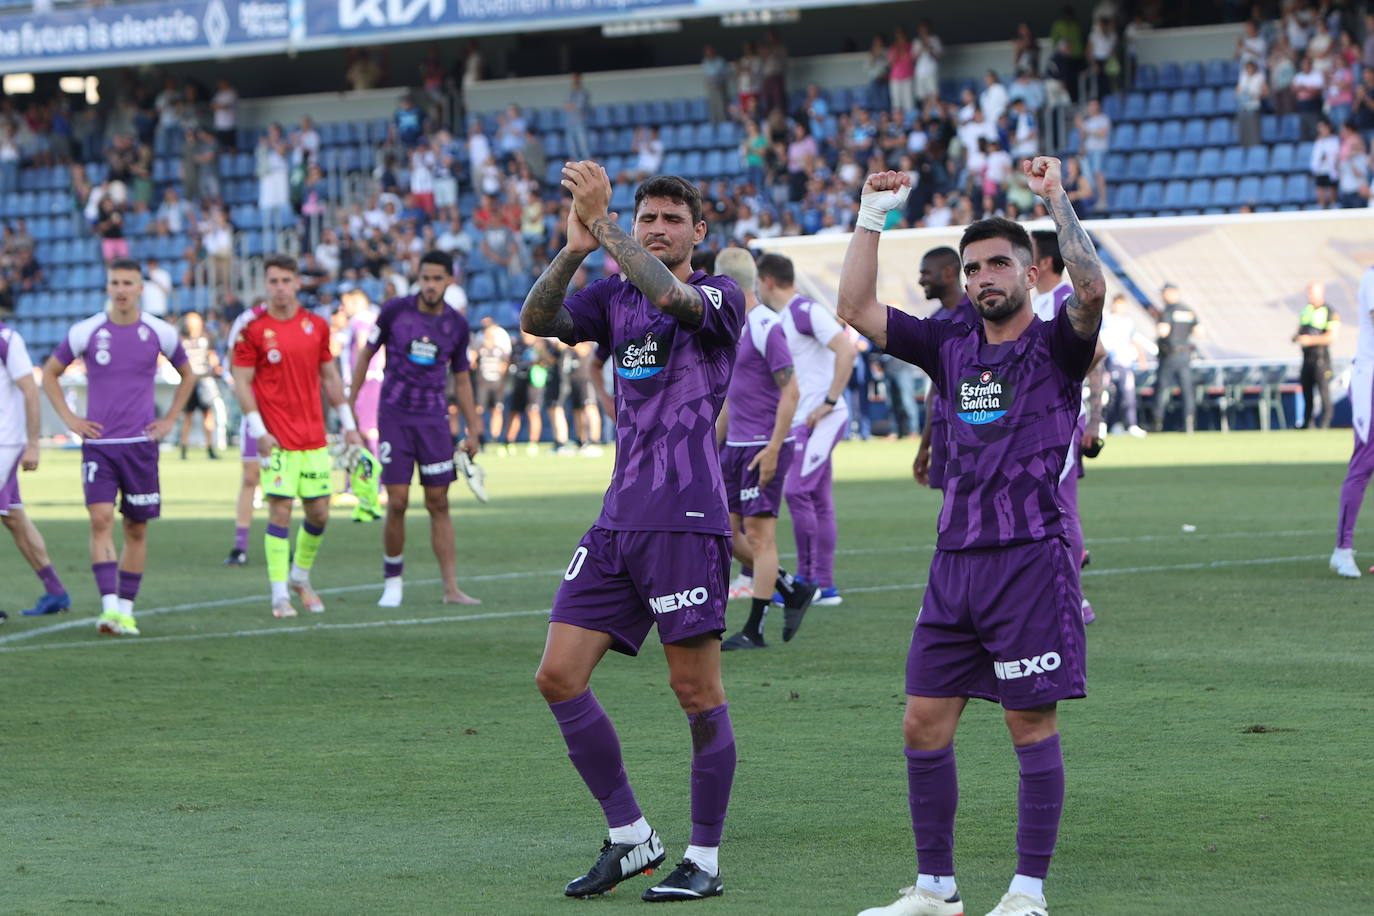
(1008, 305)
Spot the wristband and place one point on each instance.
(256, 428)
(346, 421)
(832, 401)
(875, 205)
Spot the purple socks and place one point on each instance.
(933, 794)
(392, 568)
(105, 575)
(594, 750)
(1039, 803)
(713, 772)
(241, 538)
(128, 584)
(51, 583)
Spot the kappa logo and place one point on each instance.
(142, 332)
(666, 604)
(103, 334)
(1025, 667)
(714, 295)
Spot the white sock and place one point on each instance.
(1031, 887)
(391, 592)
(279, 592)
(637, 832)
(707, 858)
(126, 606)
(1344, 552)
(300, 575)
(109, 603)
(943, 885)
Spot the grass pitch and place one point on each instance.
(401, 761)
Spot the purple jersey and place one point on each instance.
(753, 394)
(121, 367)
(671, 382)
(1010, 411)
(966, 314)
(421, 349)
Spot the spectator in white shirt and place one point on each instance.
(1251, 90)
(1326, 150)
(157, 292)
(648, 149)
(225, 104)
(1025, 137)
(928, 50)
(308, 141)
(993, 99)
(479, 147)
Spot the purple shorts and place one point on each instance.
(742, 491)
(248, 446)
(9, 478)
(624, 582)
(401, 446)
(129, 469)
(1003, 624)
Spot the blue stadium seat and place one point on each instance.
(1111, 107)
(1161, 165)
(1269, 128)
(640, 114)
(1116, 166)
(1192, 74)
(1185, 165)
(1298, 189)
(693, 164)
(1134, 108)
(481, 288)
(732, 162)
(714, 166)
(1146, 77)
(672, 163)
(556, 145)
(1271, 190)
(1151, 198)
(1256, 161)
(1281, 159)
(704, 136)
(1205, 103)
(1221, 132)
(1214, 73)
(1170, 75)
(1175, 195)
(1170, 135)
(696, 109)
(1157, 105)
(1290, 128)
(1200, 194)
(677, 110)
(1180, 103)
(1224, 193)
(727, 135)
(1147, 137)
(658, 111)
(1226, 102)
(1229, 162)
(1137, 165)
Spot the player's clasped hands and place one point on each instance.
(590, 187)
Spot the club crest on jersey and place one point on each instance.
(643, 356)
(983, 398)
(274, 356)
(306, 326)
(142, 332)
(102, 357)
(423, 352)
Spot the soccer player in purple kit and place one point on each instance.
(941, 279)
(425, 341)
(659, 554)
(1000, 619)
(755, 431)
(120, 432)
(1362, 459)
(824, 357)
(250, 471)
(19, 425)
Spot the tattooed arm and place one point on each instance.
(1080, 258)
(543, 313)
(767, 458)
(649, 275)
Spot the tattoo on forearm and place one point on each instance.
(543, 313)
(649, 275)
(1096, 383)
(783, 376)
(1084, 269)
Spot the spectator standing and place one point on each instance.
(110, 227)
(363, 72)
(218, 242)
(875, 73)
(274, 177)
(1281, 70)
(1025, 50)
(578, 109)
(1251, 90)
(901, 71)
(993, 99)
(1362, 114)
(1025, 132)
(1066, 37)
(773, 66)
(715, 71)
(157, 291)
(1326, 151)
(928, 50)
(1096, 132)
(1176, 325)
(748, 80)
(1352, 169)
(225, 107)
(9, 158)
(1339, 95)
(1250, 44)
(1308, 85)
(409, 120)
(1105, 65)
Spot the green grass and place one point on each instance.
(1220, 765)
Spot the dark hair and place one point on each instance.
(673, 188)
(1047, 246)
(777, 268)
(126, 264)
(942, 257)
(281, 262)
(704, 259)
(997, 228)
(439, 259)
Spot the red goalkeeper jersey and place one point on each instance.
(286, 357)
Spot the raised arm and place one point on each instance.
(591, 190)
(858, 294)
(1080, 257)
(543, 314)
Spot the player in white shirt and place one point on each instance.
(1362, 461)
(19, 418)
(824, 358)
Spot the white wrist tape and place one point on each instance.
(875, 205)
(346, 421)
(256, 428)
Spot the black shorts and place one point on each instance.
(490, 395)
(1325, 181)
(580, 393)
(203, 395)
(519, 395)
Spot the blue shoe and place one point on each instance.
(50, 604)
(829, 597)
